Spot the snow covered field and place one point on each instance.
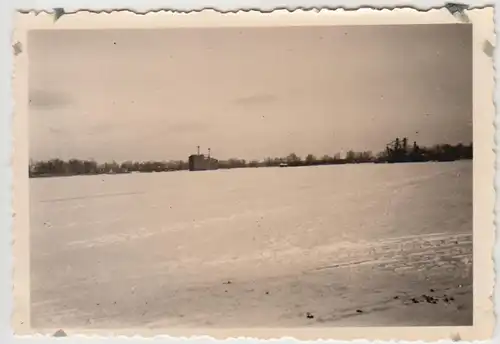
(353, 245)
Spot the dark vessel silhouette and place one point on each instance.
(200, 162)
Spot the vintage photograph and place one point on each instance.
(251, 176)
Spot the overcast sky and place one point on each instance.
(247, 92)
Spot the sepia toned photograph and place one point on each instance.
(288, 176)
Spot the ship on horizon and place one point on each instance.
(200, 162)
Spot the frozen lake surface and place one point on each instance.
(353, 245)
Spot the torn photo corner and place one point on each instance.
(308, 174)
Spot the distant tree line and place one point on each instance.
(396, 152)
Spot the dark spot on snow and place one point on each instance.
(60, 333)
(309, 315)
(359, 311)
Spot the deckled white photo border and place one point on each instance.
(484, 160)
